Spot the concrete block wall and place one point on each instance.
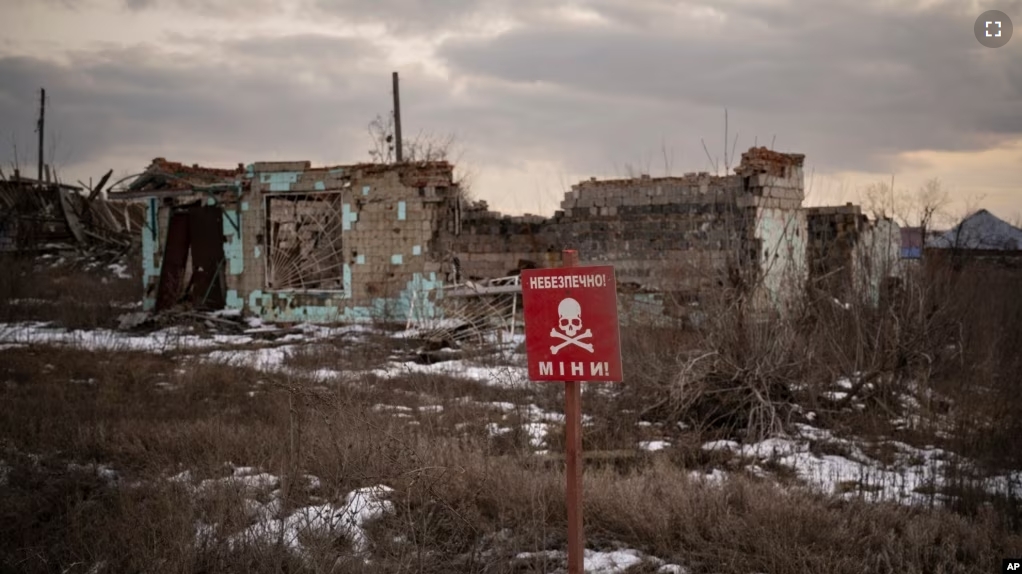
(634, 238)
(876, 256)
(388, 218)
(833, 233)
(847, 250)
(779, 241)
(405, 228)
(666, 234)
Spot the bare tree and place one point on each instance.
(930, 204)
(381, 133)
(881, 201)
(970, 207)
(713, 162)
(429, 147)
(923, 209)
(729, 150)
(668, 159)
(425, 147)
(15, 159)
(972, 203)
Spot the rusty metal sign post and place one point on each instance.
(571, 335)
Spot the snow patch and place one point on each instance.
(715, 476)
(120, 270)
(360, 507)
(912, 478)
(36, 333)
(269, 527)
(101, 470)
(496, 376)
(606, 562)
(654, 445)
(495, 430)
(537, 434)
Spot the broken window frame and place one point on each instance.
(333, 224)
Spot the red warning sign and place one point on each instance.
(571, 328)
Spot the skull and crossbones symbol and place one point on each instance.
(569, 319)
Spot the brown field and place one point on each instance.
(94, 444)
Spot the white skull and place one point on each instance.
(570, 314)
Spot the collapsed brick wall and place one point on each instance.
(386, 219)
(848, 252)
(666, 234)
(323, 244)
(833, 234)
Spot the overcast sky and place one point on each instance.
(539, 93)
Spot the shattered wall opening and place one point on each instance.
(193, 259)
(305, 247)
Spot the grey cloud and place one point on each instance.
(856, 81)
(227, 9)
(429, 17)
(847, 84)
(142, 104)
(402, 13)
(222, 9)
(65, 4)
(407, 16)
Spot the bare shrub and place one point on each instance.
(745, 526)
(925, 352)
(729, 372)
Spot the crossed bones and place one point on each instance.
(569, 341)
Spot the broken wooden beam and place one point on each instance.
(99, 187)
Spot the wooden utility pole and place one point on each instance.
(397, 121)
(40, 127)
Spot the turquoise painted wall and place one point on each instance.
(150, 261)
(326, 307)
(233, 245)
(422, 290)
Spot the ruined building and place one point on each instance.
(289, 242)
(48, 215)
(676, 237)
(850, 253)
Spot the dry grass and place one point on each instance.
(935, 363)
(76, 293)
(462, 503)
(468, 502)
